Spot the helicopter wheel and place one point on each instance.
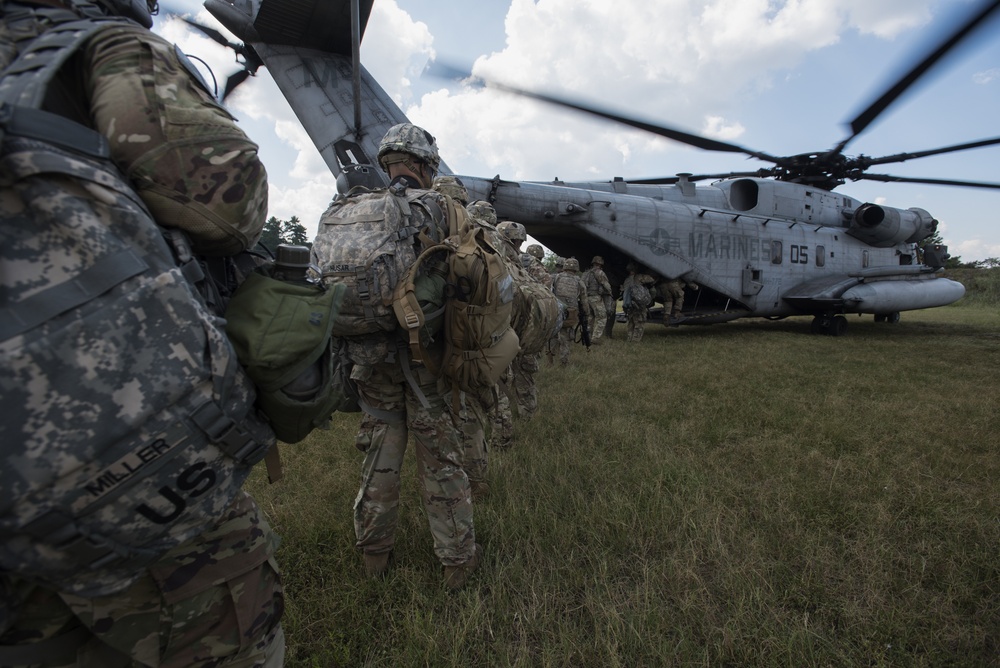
(829, 325)
(892, 318)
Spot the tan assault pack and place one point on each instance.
(478, 298)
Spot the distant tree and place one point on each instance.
(988, 263)
(293, 232)
(277, 232)
(271, 236)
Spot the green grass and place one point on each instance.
(741, 494)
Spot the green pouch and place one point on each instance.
(281, 333)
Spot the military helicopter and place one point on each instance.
(772, 243)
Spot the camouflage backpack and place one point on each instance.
(566, 288)
(365, 242)
(537, 316)
(473, 305)
(128, 425)
(637, 295)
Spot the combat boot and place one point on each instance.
(480, 489)
(376, 564)
(456, 576)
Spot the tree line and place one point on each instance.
(277, 232)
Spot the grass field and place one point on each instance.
(741, 494)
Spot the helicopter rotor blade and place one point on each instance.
(451, 72)
(888, 178)
(235, 80)
(211, 33)
(865, 118)
(902, 157)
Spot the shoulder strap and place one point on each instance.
(26, 80)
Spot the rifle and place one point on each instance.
(584, 330)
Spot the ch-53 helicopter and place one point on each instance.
(772, 243)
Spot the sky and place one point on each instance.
(779, 76)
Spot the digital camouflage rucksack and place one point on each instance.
(127, 422)
(365, 242)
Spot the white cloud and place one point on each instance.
(986, 76)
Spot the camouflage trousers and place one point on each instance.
(419, 409)
(523, 372)
(567, 337)
(500, 416)
(216, 600)
(471, 422)
(636, 323)
(598, 317)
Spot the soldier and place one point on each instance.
(572, 293)
(636, 299)
(535, 267)
(470, 416)
(453, 187)
(216, 598)
(672, 296)
(598, 296)
(405, 397)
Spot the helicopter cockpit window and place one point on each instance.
(775, 252)
(820, 256)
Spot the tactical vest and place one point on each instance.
(127, 421)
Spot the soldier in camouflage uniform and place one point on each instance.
(636, 297)
(215, 599)
(671, 293)
(598, 294)
(571, 292)
(470, 417)
(521, 375)
(535, 267)
(406, 399)
(499, 414)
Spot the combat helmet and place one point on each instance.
(408, 139)
(559, 262)
(536, 251)
(453, 187)
(482, 211)
(571, 264)
(513, 231)
(598, 260)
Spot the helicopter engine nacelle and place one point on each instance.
(884, 226)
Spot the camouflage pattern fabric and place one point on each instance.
(598, 287)
(500, 416)
(671, 293)
(216, 601)
(447, 496)
(81, 400)
(190, 163)
(570, 290)
(470, 419)
(404, 400)
(523, 370)
(636, 310)
(536, 270)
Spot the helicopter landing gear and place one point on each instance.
(891, 318)
(831, 325)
